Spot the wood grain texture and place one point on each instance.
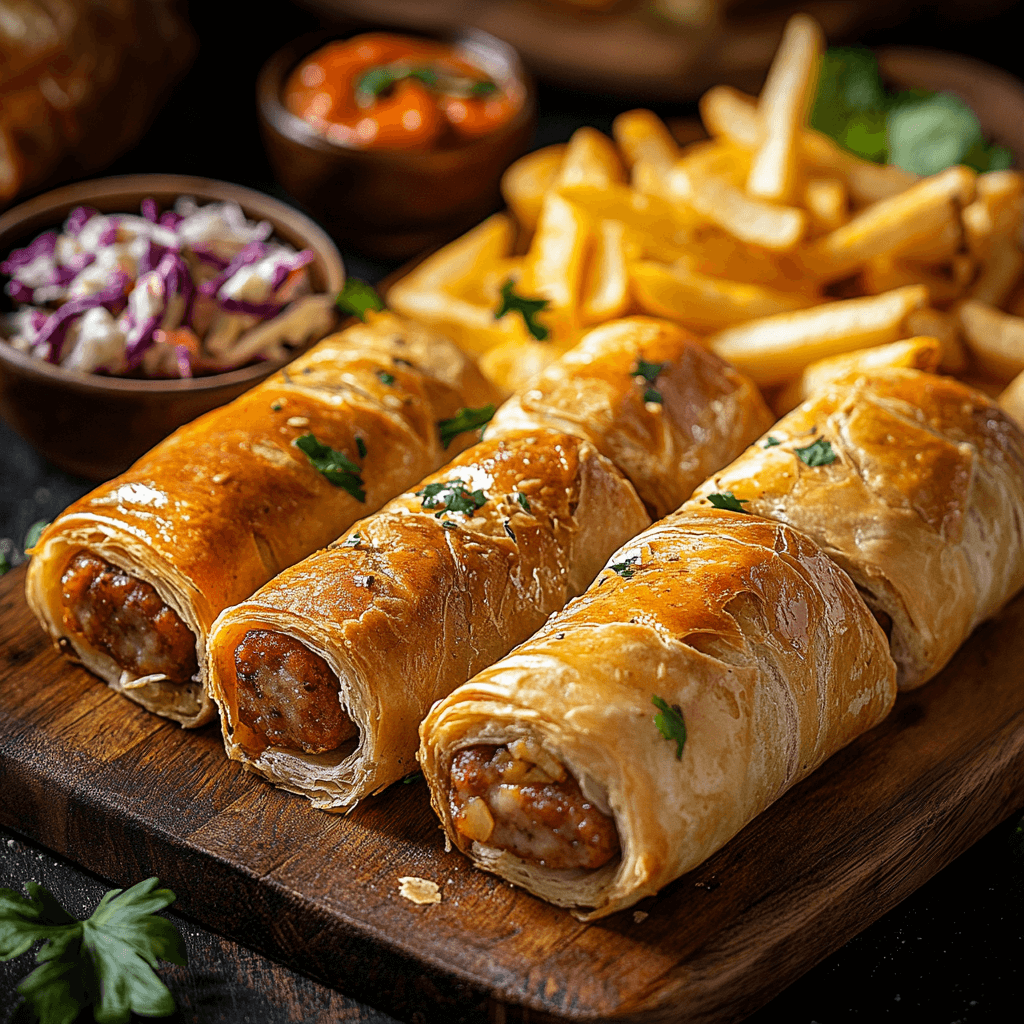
(98, 779)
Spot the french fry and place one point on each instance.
(704, 303)
(649, 215)
(827, 203)
(528, 180)
(590, 159)
(553, 266)
(782, 110)
(996, 212)
(1000, 272)
(714, 159)
(920, 353)
(994, 339)
(643, 137)
(775, 349)
(714, 252)
(1012, 399)
(943, 327)
(749, 219)
(896, 226)
(606, 284)
(731, 115)
(884, 273)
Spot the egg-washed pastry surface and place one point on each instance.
(914, 484)
(449, 577)
(717, 660)
(129, 579)
(408, 604)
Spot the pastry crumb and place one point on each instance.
(418, 890)
(639, 916)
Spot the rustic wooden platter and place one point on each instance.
(127, 795)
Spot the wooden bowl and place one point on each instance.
(391, 203)
(97, 426)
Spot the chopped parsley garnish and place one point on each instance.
(336, 466)
(449, 525)
(452, 496)
(649, 372)
(5, 565)
(509, 531)
(276, 406)
(526, 308)
(485, 87)
(361, 447)
(353, 541)
(387, 379)
(729, 502)
(428, 76)
(669, 721)
(463, 420)
(770, 442)
(819, 453)
(375, 82)
(625, 569)
(107, 962)
(652, 395)
(34, 533)
(414, 777)
(523, 500)
(357, 297)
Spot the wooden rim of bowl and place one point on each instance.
(49, 210)
(504, 58)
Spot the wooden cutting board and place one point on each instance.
(128, 795)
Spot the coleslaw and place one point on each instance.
(194, 290)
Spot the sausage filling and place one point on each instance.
(520, 799)
(126, 619)
(288, 694)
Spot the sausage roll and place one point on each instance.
(914, 484)
(717, 661)
(470, 562)
(129, 579)
(652, 399)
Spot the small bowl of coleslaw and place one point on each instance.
(132, 305)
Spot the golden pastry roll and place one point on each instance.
(129, 579)
(322, 682)
(716, 662)
(324, 674)
(651, 398)
(914, 484)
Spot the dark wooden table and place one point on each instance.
(951, 953)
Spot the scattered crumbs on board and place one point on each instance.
(640, 916)
(418, 890)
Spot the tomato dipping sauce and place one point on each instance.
(384, 91)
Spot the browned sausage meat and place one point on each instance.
(288, 694)
(126, 618)
(535, 811)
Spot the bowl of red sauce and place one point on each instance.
(395, 143)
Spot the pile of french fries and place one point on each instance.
(792, 258)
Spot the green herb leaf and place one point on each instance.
(523, 500)
(376, 81)
(649, 371)
(5, 565)
(448, 525)
(107, 961)
(819, 453)
(452, 496)
(387, 379)
(353, 541)
(669, 721)
(485, 87)
(426, 75)
(728, 501)
(34, 533)
(927, 134)
(770, 442)
(463, 420)
(625, 569)
(652, 395)
(276, 406)
(336, 466)
(526, 308)
(357, 297)
(361, 447)
(414, 777)
(848, 82)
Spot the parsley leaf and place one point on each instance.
(336, 466)
(485, 87)
(652, 395)
(526, 308)
(625, 569)
(353, 541)
(819, 453)
(463, 420)
(669, 721)
(375, 82)
(357, 297)
(107, 961)
(361, 447)
(5, 565)
(729, 502)
(770, 442)
(34, 533)
(649, 371)
(451, 496)
(387, 379)
(523, 500)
